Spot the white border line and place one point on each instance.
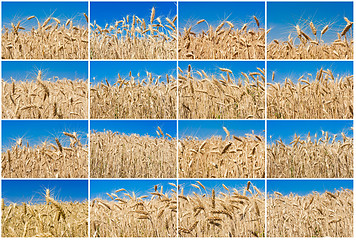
(88, 116)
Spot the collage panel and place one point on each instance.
(44, 30)
(44, 208)
(310, 208)
(128, 30)
(44, 149)
(221, 149)
(310, 90)
(221, 208)
(221, 89)
(44, 90)
(133, 149)
(306, 30)
(221, 30)
(133, 90)
(310, 149)
(133, 208)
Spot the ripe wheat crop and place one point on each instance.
(225, 41)
(221, 97)
(305, 46)
(133, 216)
(314, 215)
(52, 39)
(323, 157)
(116, 155)
(236, 157)
(57, 99)
(133, 38)
(50, 219)
(225, 214)
(46, 160)
(326, 97)
(147, 97)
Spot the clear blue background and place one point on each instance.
(110, 69)
(239, 185)
(212, 67)
(99, 188)
(28, 70)
(286, 129)
(207, 128)
(284, 16)
(214, 13)
(18, 191)
(295, 69)
(20, 11)
(38, 131)
(304, 187)
(141, 127)
(109, 12)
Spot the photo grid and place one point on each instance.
(177, 119)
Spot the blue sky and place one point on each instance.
(112, 68)
(18, 191)
(212, 67)
(295, 69)
(304, 187)
(109, 12)
(286, 129)
(37, 131)
(284, 16)
(141, 127)
(28, 70)
(99, 188)
(214, 13)
(206, 128)
(20, 11)
(217, 185)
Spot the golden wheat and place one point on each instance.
(116, 155)
(224, 97)
(133, 38)
(135, 216)
(46, 160)
(225, 214)
(311, 47)
(325, 97)
(38, 99)
(147, 98)
(225, 41)
(50, 40)
(314, 215)
(325, 157)
(236, 157)
(56, 219)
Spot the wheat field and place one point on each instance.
(215, 157)
(53, 218)
(221, 214)
(153, 215)
(311, 157)
(225, 41)
(52, 39)
(221, 97)
(324, 96)
(45, 99)
(312, 46)
(314, 215)
(46, 160)
(117, 155)
(134, 38)
(135, 98)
